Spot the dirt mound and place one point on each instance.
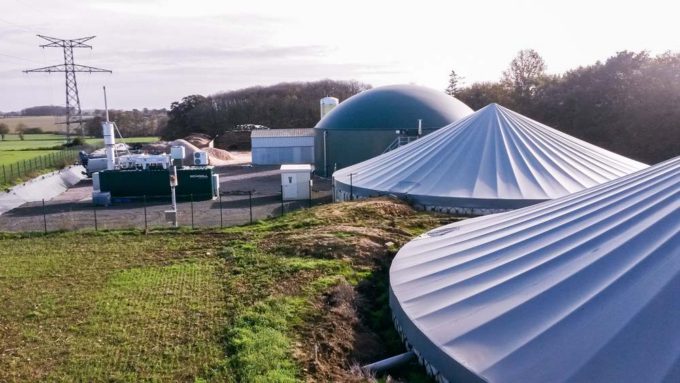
(372, 209)
(217, 156)
(358, 244)
(199, 140)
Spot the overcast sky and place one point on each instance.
(163, 50)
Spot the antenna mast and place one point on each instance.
(74, 114)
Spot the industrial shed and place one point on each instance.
(369, 123)
(282, 146)
(579, 289)
(491, 161)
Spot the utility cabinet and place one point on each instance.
(296, 182)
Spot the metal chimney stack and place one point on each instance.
(108, 132)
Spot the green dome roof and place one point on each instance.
(395, 107)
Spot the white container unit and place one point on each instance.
(296, 181)
(201, 158)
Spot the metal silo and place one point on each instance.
(369, 123)
(327, 104)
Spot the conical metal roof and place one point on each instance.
(584, 288)
(492, 159)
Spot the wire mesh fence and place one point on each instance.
(231, 208)
(10, 173)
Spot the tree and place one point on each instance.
(21, 129)
(455, 81)
(4, 129)
(525, 72)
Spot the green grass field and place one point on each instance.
(45, 141)
(299, 298)
(26, 152)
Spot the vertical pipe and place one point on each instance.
(44, 216)
(325, 158)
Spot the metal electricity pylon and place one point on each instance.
(73, 112)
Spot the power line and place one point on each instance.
(69, 68)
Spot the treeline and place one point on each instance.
(629, 104)
(285, 105)
(131, 123)
(42, 110)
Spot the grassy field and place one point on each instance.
(299, 298)
(13, 156)
(46, 123)
(13, 150)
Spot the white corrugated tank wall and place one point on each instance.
(282, 150)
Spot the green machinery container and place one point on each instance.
(196, 182)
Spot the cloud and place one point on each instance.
(183, 55)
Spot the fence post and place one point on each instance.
(4, 174)
(351, 188)
(44, 216)
(221, 224)
(282, 207)
(146, 227)
(192, 210)
(250, 203)
(94, 210)
(310, 194)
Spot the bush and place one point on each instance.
(78, 141)
(33, 131)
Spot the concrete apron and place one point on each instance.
(44, 187)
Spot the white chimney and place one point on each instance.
(108, 132)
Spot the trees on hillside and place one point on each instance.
(629, 104)
(44, 110)
(131, 123)
(285, 105)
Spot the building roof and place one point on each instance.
(579, 289)
(395, 107)
(260, 133)
(297, 167)
(494, 157)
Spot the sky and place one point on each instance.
(162, 50)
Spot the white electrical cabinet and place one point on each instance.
(296, 182)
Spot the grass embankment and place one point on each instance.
(299, 298)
